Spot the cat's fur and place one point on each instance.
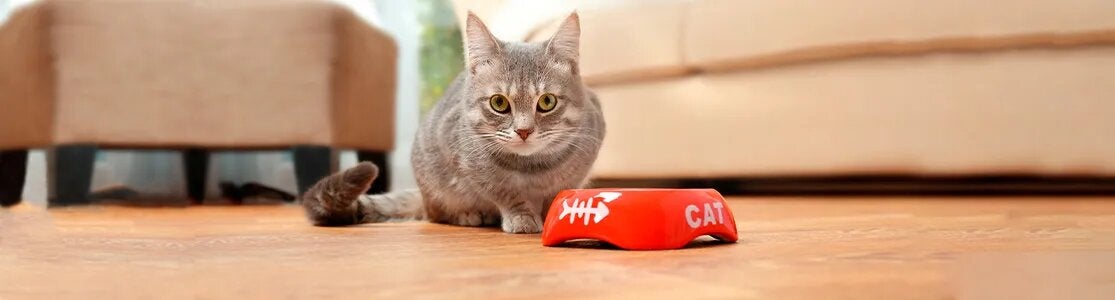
(473, 166)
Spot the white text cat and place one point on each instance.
(696, 217)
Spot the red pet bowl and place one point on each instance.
(639, 219)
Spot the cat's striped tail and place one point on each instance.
(339, 200)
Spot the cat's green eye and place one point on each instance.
(499, 103)
(547, 102)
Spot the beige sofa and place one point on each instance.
(724, 88)
(196, 75)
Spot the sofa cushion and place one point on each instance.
(1034, 111)
(727, 34)
(628, 42)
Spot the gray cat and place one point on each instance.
(514, 129)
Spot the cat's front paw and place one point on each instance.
(523, 223)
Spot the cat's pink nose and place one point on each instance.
(524, 133)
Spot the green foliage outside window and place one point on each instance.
(441, 57)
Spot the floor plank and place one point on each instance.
(831, 248)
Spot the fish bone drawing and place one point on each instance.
(585, 209)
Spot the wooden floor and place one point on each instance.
(819, 248)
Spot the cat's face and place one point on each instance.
(525, 98)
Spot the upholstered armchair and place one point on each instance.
(199, 76)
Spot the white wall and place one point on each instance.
(400, 19)
(3, 10)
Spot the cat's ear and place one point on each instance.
(481, 47)
(566, 42)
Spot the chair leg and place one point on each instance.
(13, 173)
(383, 181)
(311, 163)
(72, 174)
(196, 163)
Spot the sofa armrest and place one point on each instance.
(363, 85)
(26, 79)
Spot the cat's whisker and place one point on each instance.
(467, 139)
(569, 141)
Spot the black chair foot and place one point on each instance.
(72, 168)
(13, 174)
